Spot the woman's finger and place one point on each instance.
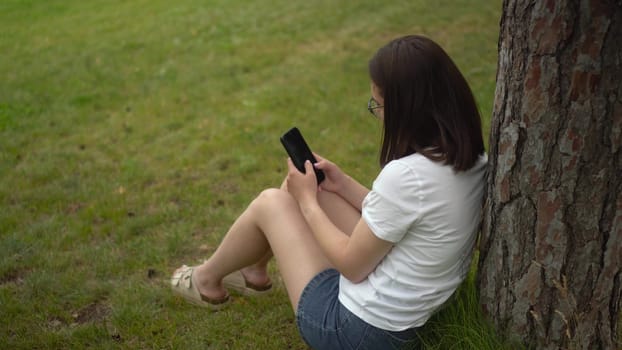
(290, 166)
(318, 157)
(308, 167)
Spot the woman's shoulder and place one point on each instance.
(418, 165)
(414, 163)
(404, 173)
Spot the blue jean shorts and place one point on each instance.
(326, 324)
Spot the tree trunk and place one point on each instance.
(551, 244)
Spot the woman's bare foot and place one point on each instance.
(256, 276)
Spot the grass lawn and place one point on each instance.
(132, 133)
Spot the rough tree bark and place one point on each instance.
(551, 245)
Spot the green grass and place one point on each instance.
(132, 133)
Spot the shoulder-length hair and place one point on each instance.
(428, 105)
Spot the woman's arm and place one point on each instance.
(340, 183)
(354, 256)
(353, 192)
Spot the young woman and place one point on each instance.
(364, 269)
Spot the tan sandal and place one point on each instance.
(238, 283)
(183, 285)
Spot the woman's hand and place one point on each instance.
(334, 179)
(302, 186)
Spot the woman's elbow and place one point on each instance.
(355, 276)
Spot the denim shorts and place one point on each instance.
(326, 324)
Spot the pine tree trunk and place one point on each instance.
(551, 245)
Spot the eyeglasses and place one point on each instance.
(372, 106)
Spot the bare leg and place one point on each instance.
(273, 223)
(272, 220)
(243, 245)
(340, 212)
(257, 274)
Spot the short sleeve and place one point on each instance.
(392, 206)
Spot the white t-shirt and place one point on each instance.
(431, 214)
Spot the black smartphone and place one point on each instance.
(299, 152)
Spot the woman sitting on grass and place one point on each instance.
(364, 269)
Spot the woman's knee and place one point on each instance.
(273, 198)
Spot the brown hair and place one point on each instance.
(428, 105)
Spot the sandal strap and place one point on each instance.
(182, 277)
(259, 288)
(215, 301)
